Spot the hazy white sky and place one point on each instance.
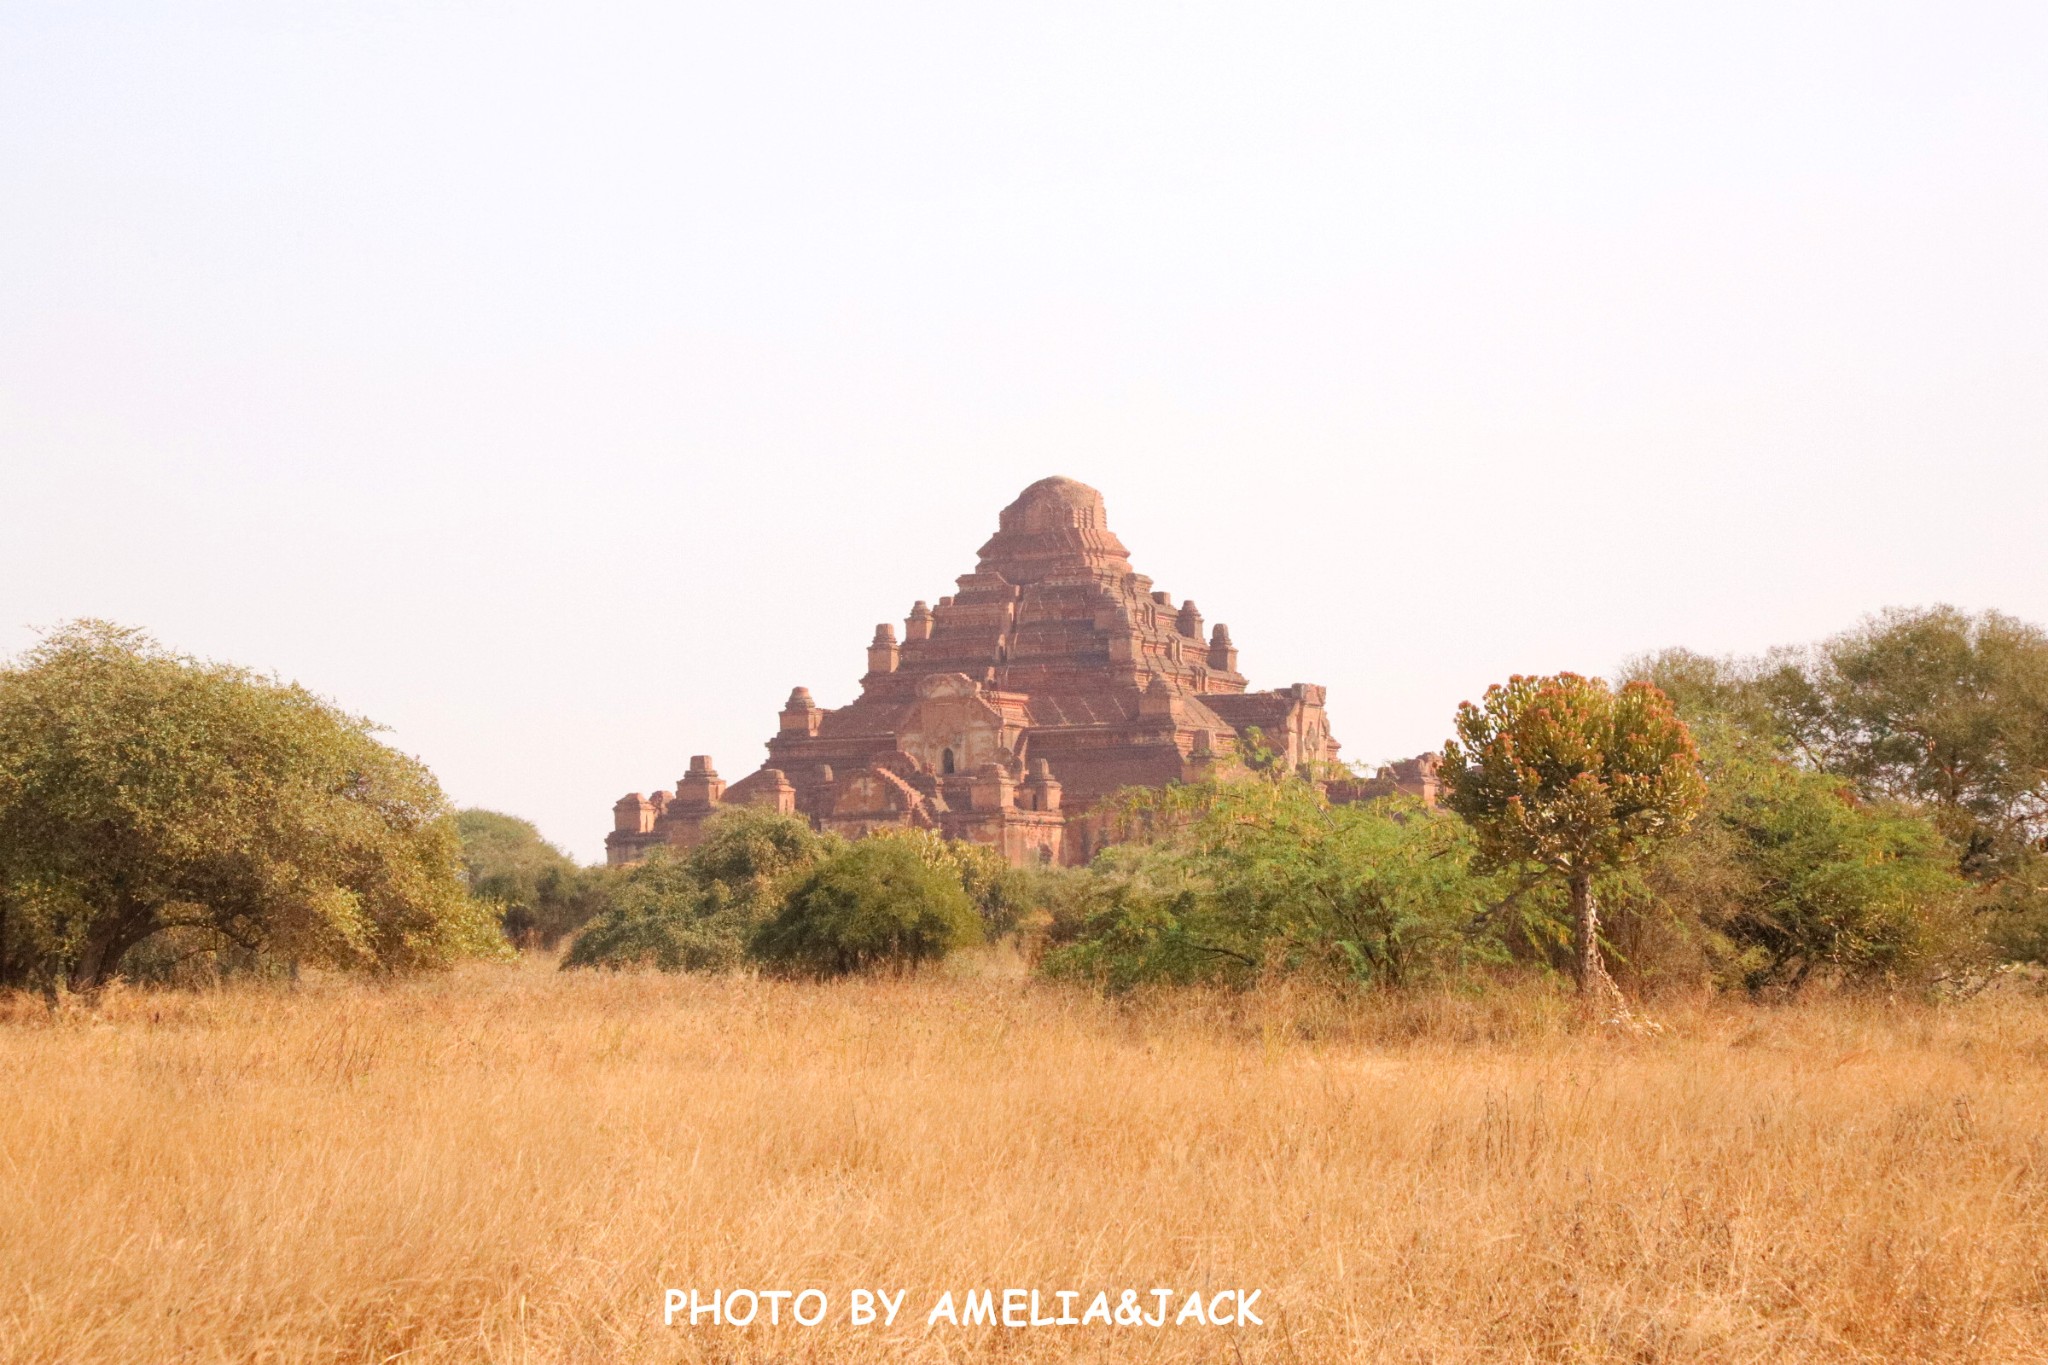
(560, 384)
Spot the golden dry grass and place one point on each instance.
(511, 1164)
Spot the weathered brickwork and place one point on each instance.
(1053, 676)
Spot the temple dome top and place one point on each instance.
(1053, 503)
(1056, 527)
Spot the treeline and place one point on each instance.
(1931, 727)
(1874, 808)
(1870, 809)
(761, 889)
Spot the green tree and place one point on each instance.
(143, 793)
(1938, 709)
(750, 856)
(1930, 710)
(697, 912)
(1720, 700)
(1224, 880)
(1003, 895)
(541, 894)
(1833, 883)
(876, 905)
(658, 913)
(1793, 871)
(1564, 774)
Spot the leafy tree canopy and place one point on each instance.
(1833, 883)
(877, 905)
(750, 856)
(1933, 710)
(1003, 895)
(541, 893)
(144, 793)
(1938, 709)
(697, 912)
(1565, 774)
(1227, 879)
(495, 844)
(659, 913)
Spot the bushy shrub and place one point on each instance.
(750, 856)
(1798, 871)
(151, 798)
(658, 913)
(1234, 878)
(698, 912)
(1933, 713)
(1004, 896)
(2016, 910)
(1788, 878)
(878, 905)
(541, 895)
(1837, 885)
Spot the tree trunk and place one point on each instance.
(1591, 972)
(90, 970)
(105, 944)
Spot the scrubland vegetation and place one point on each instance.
(1873, 810)
(512, 1163)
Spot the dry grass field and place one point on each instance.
(511, 1164)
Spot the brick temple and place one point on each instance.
(1055, 675)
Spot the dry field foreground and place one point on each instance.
(512, 1164)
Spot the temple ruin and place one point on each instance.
(1054, 676)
